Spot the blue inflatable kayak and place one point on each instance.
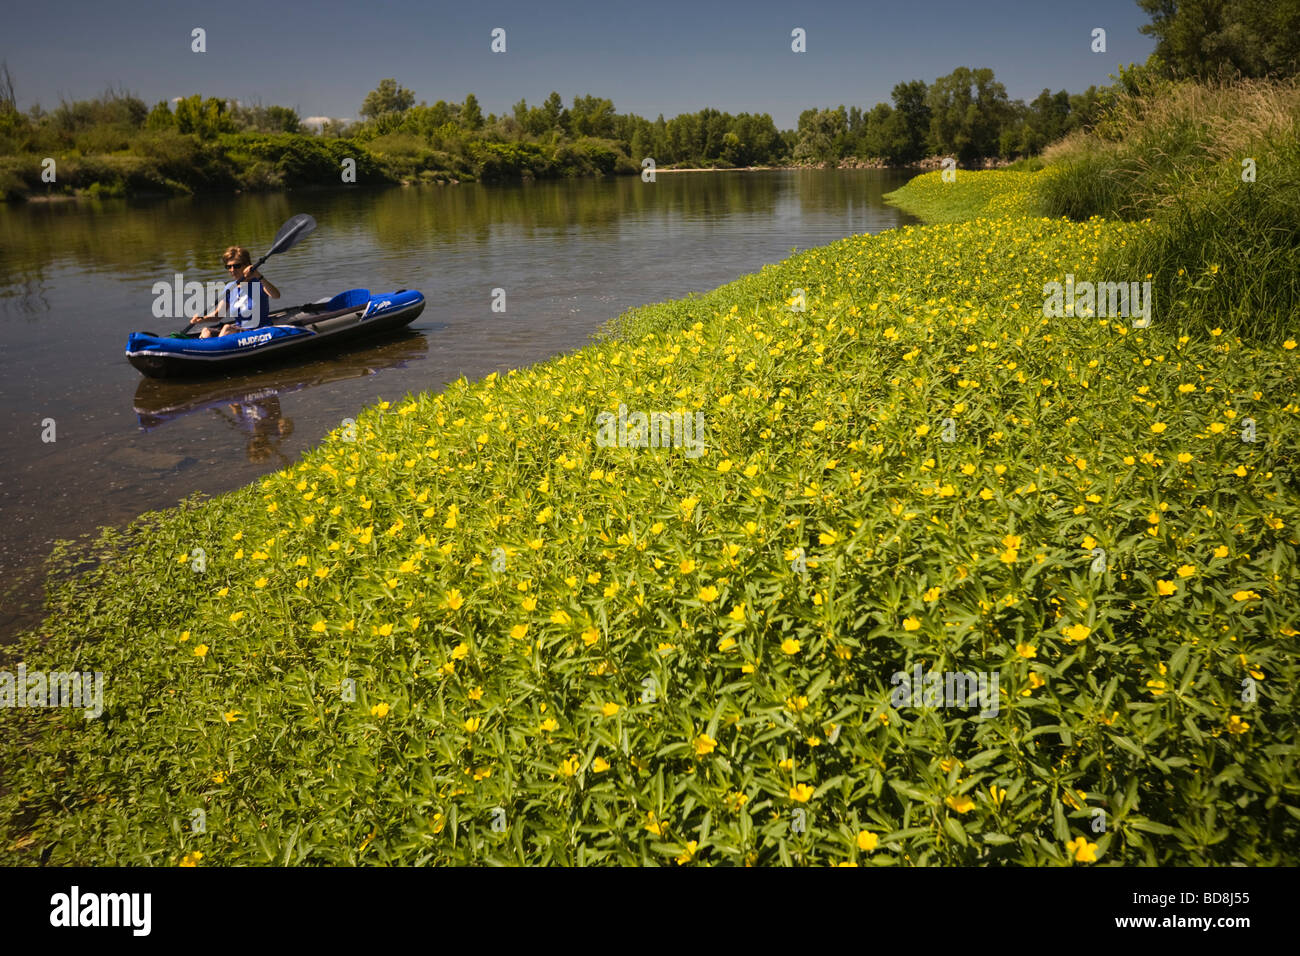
(346, 317)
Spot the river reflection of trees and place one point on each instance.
(148, 240)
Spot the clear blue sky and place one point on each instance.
(659, 57)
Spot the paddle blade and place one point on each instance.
(291, 233)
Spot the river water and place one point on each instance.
(77, 277)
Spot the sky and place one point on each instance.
(664, 57)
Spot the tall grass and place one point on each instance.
(1225, 252)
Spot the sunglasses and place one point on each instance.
(233, 265)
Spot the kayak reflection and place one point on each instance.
(251, 403)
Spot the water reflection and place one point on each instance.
(251, 403)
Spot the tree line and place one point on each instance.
(117, 143)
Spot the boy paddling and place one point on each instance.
(244, 297)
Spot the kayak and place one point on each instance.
(346, 317)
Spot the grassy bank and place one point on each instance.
(466, 632)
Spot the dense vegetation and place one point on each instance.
(115, 145)
(467, 632)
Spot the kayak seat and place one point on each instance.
(352, 299)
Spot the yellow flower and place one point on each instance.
(473, 724)
(726, 644)
(236, 617)
(689, 854)
(790, 646)
(737, 612)
(654, 824)
(590, 636)
(1077, 632)
(1236, 725)
(561, 617)
(911, 624)
(453, 600)
(704, 744)
(1084, 852)
(519, 631)
(1035, 682)
(569, 766)
(801, 792)
(708, 594)
(962, 803)
(380, 710)
(1221, 551)
(185, 636)
(1186, 571)
(549, 724)
(1159, 427)
(1157, 687)
(1245, 596)
(610, 709)
(1009, 556)
(867, 841)
(201, 650)
(1027, 651)
(460, 651)
(231, 716)
(192, 858)
(476, 693)
(1166, 588)
(932, 594)
(599, 765)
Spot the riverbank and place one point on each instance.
(495, 597)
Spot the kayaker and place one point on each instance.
(244, 298)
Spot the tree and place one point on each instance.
(817, 132)
(388, 97)
(909, 127)
(1201, 38)
(593, 116)
(968, 110)
(205, 118)
(554, 112)
(471, 117)
(160, 117)
(8, 103)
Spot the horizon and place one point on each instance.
(677, 59)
